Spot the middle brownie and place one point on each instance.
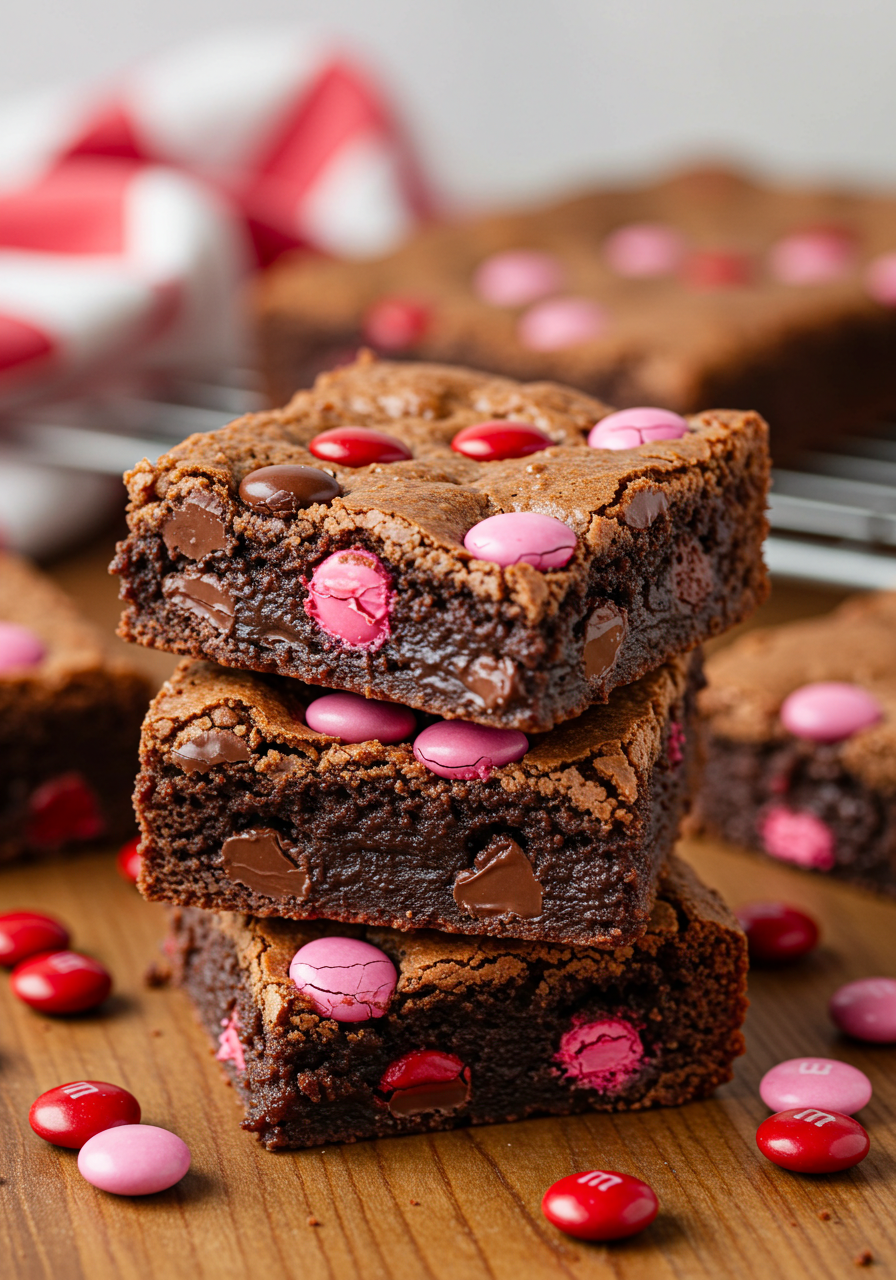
(243, 807)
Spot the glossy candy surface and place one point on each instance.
(777, 933)
(19, 647)
(829, 711)
(351, 718)
(456, 749)
(134, 1160)
(815, 1082)
(866, 1009)
(395, 324)
(630, 428)
(128, 860)
(61, 809)
(344, 978)
(61, 982)
(517, 277)
(350, 597)
(600, 1205)
(812, 1140)
(71, 1113)
(358, 447)
(522, 537)
(25, 933)
(492, 441)
(283, 490)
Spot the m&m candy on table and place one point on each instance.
(815, 1082)
(25, 933)
(600, 1205)
(776, 933)
(128, 860)
(61, 982)
(134, 1160)
(809, 1140)
(72, 1113)
(866, 1009)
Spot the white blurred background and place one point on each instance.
(511, 99)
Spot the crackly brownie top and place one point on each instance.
(855, 644)
(597, 762)
(423, 507)
(685, 273)
(453, 962)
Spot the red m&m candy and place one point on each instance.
(777, 933)
(25, 933)
(716, 269)
(494, 441)
(61, 982)
(394, 324)
(812, 1141)
(128, 860)
(358, 447)
(600, 1205)
(71, 1113)
(63, 809)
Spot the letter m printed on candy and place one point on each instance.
(79, 1089)
(815, 1068)
(599, 1180)
(818, 1118)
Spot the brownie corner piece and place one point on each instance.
(814, 785)
(368, 580)
(474, 1031)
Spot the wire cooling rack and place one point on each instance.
(833, 514)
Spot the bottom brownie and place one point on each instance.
(477, 1031)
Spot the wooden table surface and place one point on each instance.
(452, 1206)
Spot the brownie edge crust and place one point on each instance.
(535, 1029)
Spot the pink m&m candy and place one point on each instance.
(829, 711)
(811, 256)
(561, 322)
(795, 835)
(71, 1113)
(455, 749)
(351, 718)
(866, 1009)
(493, 441)
(134, 1160)
(344, 978)
(358, 447)
(61, 982)
(776, 933)
(522, 537)
(600, 1205)
(350, 597)
(880, 279)
(815, 1082)
(601, 1055)
(630, 428)
(19, 647)
(25, 933)
(395, 324)
(517, 277)
(812, 1140)
(644, 249)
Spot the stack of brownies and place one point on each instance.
(414, 794)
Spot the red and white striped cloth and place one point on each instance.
(129, 220)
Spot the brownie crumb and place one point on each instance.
(313, 1222)
(863, 1259)
(824, 1215)
(157, 974)
(156, 1032)
(415, 1202)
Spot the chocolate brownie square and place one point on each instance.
(513, 592)
(704, 288)
(69, 722)
(378, 1033)
(800, 743)
(244, 807)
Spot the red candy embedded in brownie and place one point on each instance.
(600, 1205)
(61, 982)
(494, 441)
(62, 810)
(425, 1080)
(807, 1140)
(776, 933)
(128, 860)
(395, 324)
(25, 933)
(716, 269)
(72, 1113)
(358, 447)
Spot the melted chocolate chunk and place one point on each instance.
(604, 633)
(253, 624)
(502, 882)
(643, 508)
(197, 528)
(692, 576)
(206, 596)
(284, 490)
(490, 679)
(444, 1095)
(256, 860)
(213, 746)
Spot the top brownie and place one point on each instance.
(703, 289)
(357, 577)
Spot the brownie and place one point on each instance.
(477, 1031)
(827, 806)
(69, 722)
(243, 807)
(667, 544)
(704, 288)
